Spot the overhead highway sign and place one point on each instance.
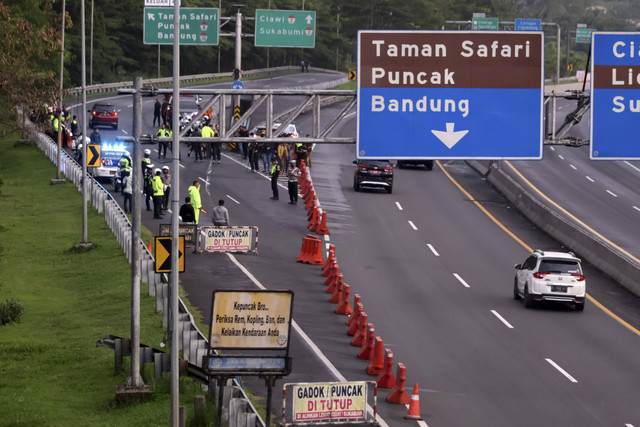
(528, 24)
(450, 95)
(198, 25)
(285, 28)
(615, 96)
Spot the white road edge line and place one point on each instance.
(612, 193)
(304, 336)
(502, 319)
(630, 165)
(433, 249)
(628, 425)
(237, 202)
(562, 371)
(589, 178)
(421, 423)
(399, 205)
(461, 280)
(413, 225)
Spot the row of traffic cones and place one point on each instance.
(316, 216)
(371, 347)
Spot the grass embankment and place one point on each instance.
(51, 372)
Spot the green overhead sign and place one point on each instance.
(583, 35)
(285, 28)
(198, 26)
(484, 24)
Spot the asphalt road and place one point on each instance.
(435, 273)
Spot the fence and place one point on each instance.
(193, 343)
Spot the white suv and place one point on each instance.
(550, 276)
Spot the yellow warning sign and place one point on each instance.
(163, 254)
(93, 155)
(352, 74)
(236, 112)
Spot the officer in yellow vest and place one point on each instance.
(158, 194)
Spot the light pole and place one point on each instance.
(91, 54)
(59, 178)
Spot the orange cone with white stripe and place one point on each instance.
(414, 405)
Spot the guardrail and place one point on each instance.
(195, 78)
(192, 343)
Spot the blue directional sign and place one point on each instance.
(237, 85)
(615, 96)
(450, 95)
(528, 24)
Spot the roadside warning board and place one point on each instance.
(163, 254)
(93, 155)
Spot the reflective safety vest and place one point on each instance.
(207, 132)
(275, 168)
(162, 133)
(124, 164)
(158, 186)
(56, 121)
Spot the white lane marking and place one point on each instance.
(630, 165)
(130, 106)
(562, 371)
(303, 335)
(237, 202)
(433, 249)
(399, 206)
(636, 208)
(589, 178)
(203, 180)
(573, 167)
(461, 280)
(612, 193)
(628, 425)
(552, 149)
(560, 156)
(502, 319)
(182, 165)
(326, 237)
(124, 131)
(421, 423)
(413, 225)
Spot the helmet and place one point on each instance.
(126, 153)
(165, 168)
(147, 152)
(150, 166)
(156, 170)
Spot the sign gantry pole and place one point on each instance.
(175, 347)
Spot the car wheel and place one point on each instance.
(401, 165)
(429, 166)
(579, 306)
(389, 189)
(356, 186)
(528, 299)
(516, 294)
(115, 126)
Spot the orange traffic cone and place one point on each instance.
(386, 379)
(322, 227)
(376, 362)
(360, 335)
(414, 406)
(367, 346)
(398, 394)
(149, 247)
(343, 306)
(354, 319)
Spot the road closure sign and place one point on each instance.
(615, 96)
(450, 95)
(251, 319)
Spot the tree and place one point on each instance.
(27, 75)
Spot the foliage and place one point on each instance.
(11, 311)
(27, 75)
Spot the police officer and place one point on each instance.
(162, 146)
(158, 194)
(275, 172)
(125, 164)
(146, 160)
(148, 187)
(207, 132)
(167, 180)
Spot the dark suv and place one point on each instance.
(103, 115)
(404, 163)
(373, 173)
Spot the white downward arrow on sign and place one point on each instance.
(450, 138)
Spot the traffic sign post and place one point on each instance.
(163, 254)
(93, 155)
(583, 35)
(528, 25)
(198, 26)
(615, 96)
(285, 28)
(450, 95)
(484, 24)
